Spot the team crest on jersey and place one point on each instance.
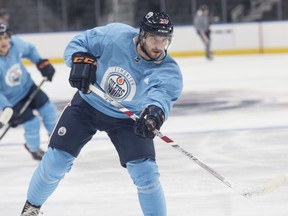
(13, 75)
(119, 84)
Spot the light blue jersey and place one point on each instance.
(15, 81)
(123, 74)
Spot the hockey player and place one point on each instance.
(202, 26)
(4, 16)
(16, 86)
(134, 68)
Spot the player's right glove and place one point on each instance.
(150, 119)
(83, 71)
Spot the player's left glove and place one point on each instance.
(46, 69)
(150, 119)
(83, 71)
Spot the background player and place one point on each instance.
(202, 25)
(16, 85)
(4, 16)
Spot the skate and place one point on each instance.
(35, 155)
(30, 210)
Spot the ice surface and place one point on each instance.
(233, 115)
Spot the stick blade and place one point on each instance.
(267, 187)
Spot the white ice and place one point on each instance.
(238, 127)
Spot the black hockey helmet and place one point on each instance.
(157, 23)
(4, 29)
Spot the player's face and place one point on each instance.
(205, 12)
(155, 44)
(4, 44)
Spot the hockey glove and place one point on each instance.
(83, 71)
(150, 119)
(5, 116)
(46, 69)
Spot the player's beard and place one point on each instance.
(154, 54)
(4, 47)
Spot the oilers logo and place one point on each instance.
(62, 131)
(13, 75)
(119, 84)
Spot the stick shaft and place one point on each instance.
(27, 103)
(31, 97)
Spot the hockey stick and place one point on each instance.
(165, 138)
(267, 187)
(27, 103)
